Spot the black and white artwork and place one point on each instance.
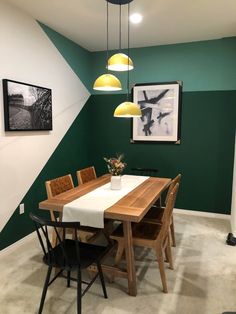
(160, 107)
(26, 107)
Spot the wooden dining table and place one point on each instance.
(131, 208)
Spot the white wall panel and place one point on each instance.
(233, 203)
(27, 55)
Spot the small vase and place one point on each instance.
(115, 182)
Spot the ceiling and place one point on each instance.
(164, 21)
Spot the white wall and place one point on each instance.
(27, 55)
(233, 203)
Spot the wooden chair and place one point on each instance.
(151, 235)
(67, 256)
(156, 213)
(58, 186)
(86, 175)
(151, 172)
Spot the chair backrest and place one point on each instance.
(86, 175)
(172, 185)
(166, 219)
(60, 255)
(151, 172)
(59, 185)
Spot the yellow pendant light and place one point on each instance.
(128, 109)
(107, 82)
(120, 61)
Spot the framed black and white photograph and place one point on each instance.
(26, 107)
(160, 106)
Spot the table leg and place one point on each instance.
(129, 253)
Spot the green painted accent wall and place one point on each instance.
(70, 155)
(204, 157)
(202, 66)
(78, 58)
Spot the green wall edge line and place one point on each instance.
(70, 155)
(78, 58)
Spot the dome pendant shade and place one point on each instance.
(128, 110)
(107, 82)
(120, 62)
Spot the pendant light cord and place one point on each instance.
(128, 55)
(120, 29)
(107, 36)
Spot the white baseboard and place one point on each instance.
(17, 244)
(32, 235)
(201, 214)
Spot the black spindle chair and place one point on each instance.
(68, 255)
(151, 172)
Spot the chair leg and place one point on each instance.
(102, 279)
(68, 278)
(107, 231)
(169, 253)
(159, 202)
(54, 239)
(160, 260)
(74, 235)
(54, 236)
(45, 288)
(107, 236)
(166, 256)
(79, 291)
(172, 229)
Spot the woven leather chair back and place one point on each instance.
(86, 175)
(59, 185)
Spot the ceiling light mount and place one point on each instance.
(107, 82)
(119, 2)
(120, 61)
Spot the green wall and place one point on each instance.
(78, 58)
(202, 66)
(70, 155)
(204, 157)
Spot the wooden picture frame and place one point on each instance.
(160, 104)
(26, 107)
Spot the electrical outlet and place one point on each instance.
(22, 209)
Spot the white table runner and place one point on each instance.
(89, 209)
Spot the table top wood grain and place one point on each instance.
(131, 207)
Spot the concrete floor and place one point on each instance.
(203, 282)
